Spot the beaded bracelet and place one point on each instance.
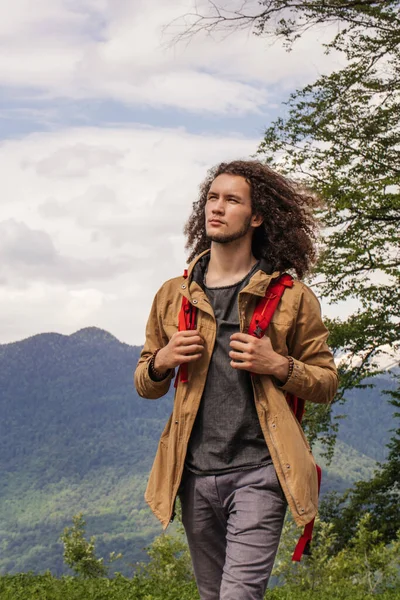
(291, 367)
(153, 371)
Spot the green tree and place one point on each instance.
(340, 136)
(366, 566)
(368, 563)
(79, 554)
(308, 574)
(380, 496)
(168, 575)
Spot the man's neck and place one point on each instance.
(228, 264)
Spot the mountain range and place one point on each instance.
(76, 437)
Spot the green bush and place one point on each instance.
(288, 593)
(28, 586)
(366, 569)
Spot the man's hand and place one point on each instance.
(183, 347)
(257, 356)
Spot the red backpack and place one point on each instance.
(259, 323)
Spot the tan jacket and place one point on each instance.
(297, 330)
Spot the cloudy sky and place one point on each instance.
(106, 130)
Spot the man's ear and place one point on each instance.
(256, 220)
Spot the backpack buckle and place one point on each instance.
(258, 332)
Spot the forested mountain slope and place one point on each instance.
(75, 436)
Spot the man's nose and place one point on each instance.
(218, 206)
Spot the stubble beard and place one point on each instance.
(221, 238)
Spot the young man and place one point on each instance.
(232, 448)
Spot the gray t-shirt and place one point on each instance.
(226, 435)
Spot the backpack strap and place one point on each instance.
(303, 545)
(262, 316)
(259, 323)
(186, 321)
(266, 307)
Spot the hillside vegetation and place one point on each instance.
(75, 437)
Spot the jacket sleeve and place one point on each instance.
(155, 338)
(314, 375)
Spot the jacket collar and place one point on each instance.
(257, 285)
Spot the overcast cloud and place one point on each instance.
(95, 216)
(91, 217)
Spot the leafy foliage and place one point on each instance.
(28, 586)
(365, 569)
(168, 574)
(340, 136)
(380, 496)
(79, 554)
(339, 129)
(76, 438)
(366, 564)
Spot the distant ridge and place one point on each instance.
(89, 334)
(95, 334)
(75, 436)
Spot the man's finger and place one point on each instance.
(239, 356)
(238, 346)
(193, 349)
(242, 337)
(188, 341)
(191, 358)
(244, 366)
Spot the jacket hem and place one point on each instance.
(156, 513)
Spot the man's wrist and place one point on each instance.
(156, 370)
(283, 369)
(159, 363)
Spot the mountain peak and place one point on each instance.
(94, 334)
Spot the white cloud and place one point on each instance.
(91, 219)
(27, 255)
(20, 18)
(91, 224)
(53, 308)
(117, 50)
(75, 161)
(90, 245)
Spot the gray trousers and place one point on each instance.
(233, 524)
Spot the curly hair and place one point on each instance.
(287, 236)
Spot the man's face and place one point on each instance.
(228, 211)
